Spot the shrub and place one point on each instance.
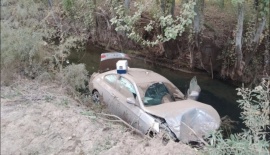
(22, 45)
(255, 105)
(20, 51)
(75, 76)
(171, 27)
(25, 28)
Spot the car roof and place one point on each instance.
(139, 75)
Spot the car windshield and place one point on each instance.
(157, 93)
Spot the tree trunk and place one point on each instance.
(266, 68)
(127, 4)
(238, 39)
(255, 40)
(95, 20)
(198, 19)
(167, 7)
(172, 7)
(163, 6)
(191, 60)
(197, 25)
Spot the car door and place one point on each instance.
(124, 90)
(115, 95)
(110, 96)
(132, 113)
(120, 89)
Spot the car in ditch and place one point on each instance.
(150, 102)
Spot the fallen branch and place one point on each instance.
(203, 141)
(119, 120)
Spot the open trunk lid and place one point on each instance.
(108, 60)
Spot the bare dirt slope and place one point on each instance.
(40, 119)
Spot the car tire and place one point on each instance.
(96, 98)
(165, 138)
(167, 135)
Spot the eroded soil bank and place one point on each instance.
(38, 118)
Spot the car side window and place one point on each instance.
(111, 79)
(127, 88)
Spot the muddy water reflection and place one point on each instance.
(220, 95)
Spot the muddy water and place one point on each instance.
(222, 96)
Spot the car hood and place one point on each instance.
(189, 120)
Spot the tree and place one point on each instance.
(197, 26)
(238, 39)
(262, 7)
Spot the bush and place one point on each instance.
(25, 28)
(253, 141)
(20, 51)
(22, 45)
(75, 76)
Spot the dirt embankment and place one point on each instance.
(40, 119)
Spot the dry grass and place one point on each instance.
(39, 118)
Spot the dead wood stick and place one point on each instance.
(205, 143)
(120, 121)
(211, 68)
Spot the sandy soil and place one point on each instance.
(40, 119)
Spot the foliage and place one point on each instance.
(228, 55)
(80, 11)
(26, 47)
(22, 45)
(62, 51)
(263, 8)
(167, 6)
(126, 23)
(255, 105)
(245, 66)
(236, 2)
(75, 76)
(171, 27)
(68, 6)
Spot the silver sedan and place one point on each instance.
(150, 103)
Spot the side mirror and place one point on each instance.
(131, 100)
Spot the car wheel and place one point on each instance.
(167, 134)
(96, 98)
(165, 138)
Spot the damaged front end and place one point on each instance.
(192, 126)
(188, 120)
